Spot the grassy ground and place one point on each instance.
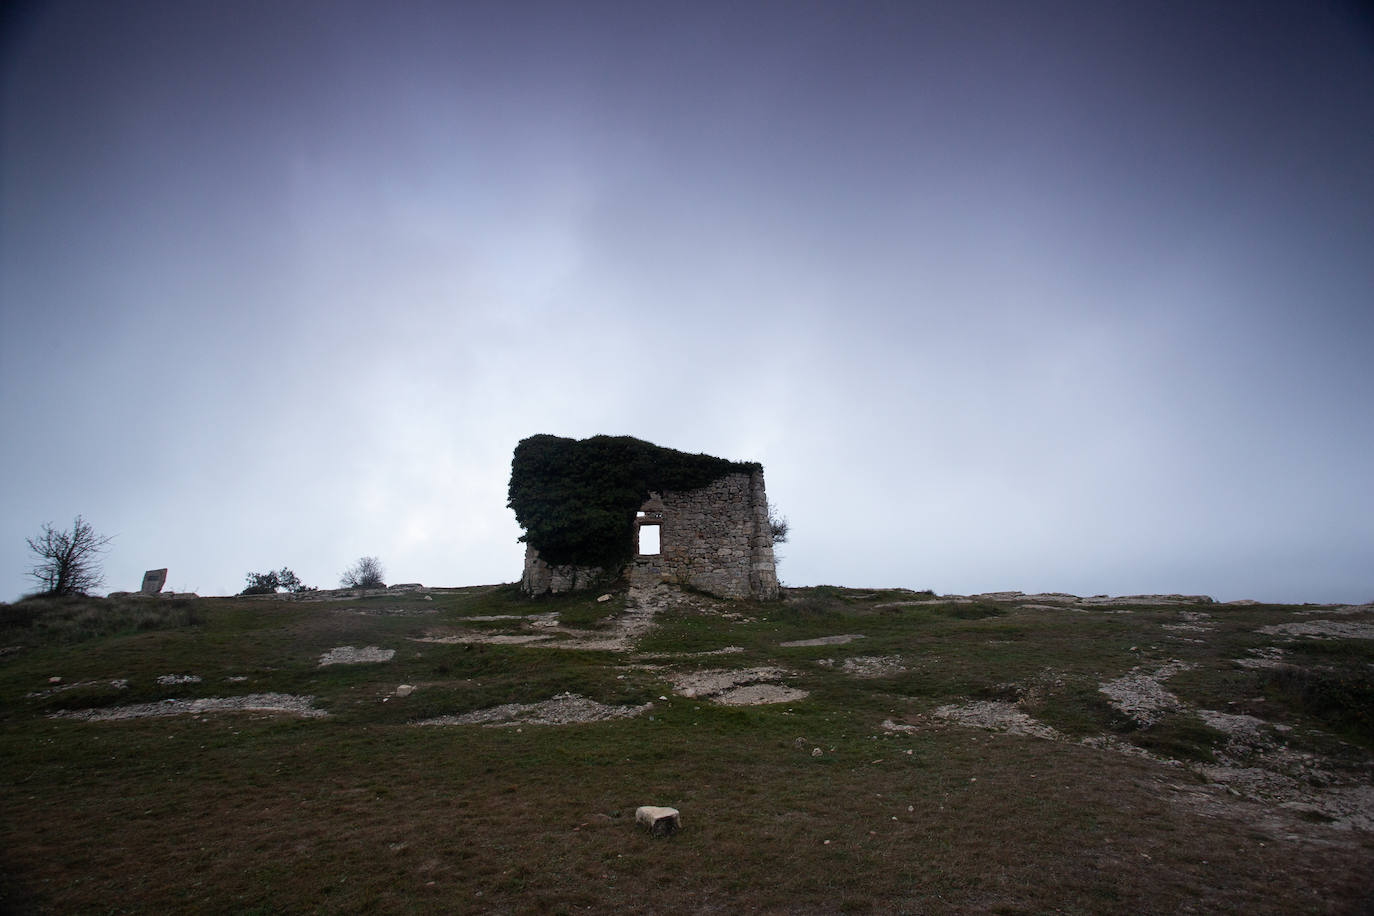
(361, 811)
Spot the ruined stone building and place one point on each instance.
(609, 508)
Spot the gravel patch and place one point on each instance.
(171, 680)
(347, 655)
(392, 611)
(867, 666)
(253, 702)
(563, 709)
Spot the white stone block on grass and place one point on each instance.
(659, 821)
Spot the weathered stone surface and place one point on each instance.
(715, 538)
(541, 578)
(405, 690)
(347, 655)
(839, 640)
(153, 580)
(718, 539)
(659, 821)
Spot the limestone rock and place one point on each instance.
(659, 821)
(153, 580)
(405, 690)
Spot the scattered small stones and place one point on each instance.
(172, 680)
(1264, 657)
(392, 611)
(899, 727)
(873, 666)
(563, 709)
(1145, 600)
(1193, 621)
(490, 639)
(668, 656)
(253, 702)
(347, 655)
(822, 641)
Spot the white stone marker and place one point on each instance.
(660, 821)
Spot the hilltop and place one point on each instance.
(880, 750)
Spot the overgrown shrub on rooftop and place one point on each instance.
(577, 499)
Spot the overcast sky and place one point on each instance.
(1042, 296)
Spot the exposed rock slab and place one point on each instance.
(839, 640)
(347, 655)
(1142, 696)
(253, 702)
(738, 686)
(996, 715)
(563, 709)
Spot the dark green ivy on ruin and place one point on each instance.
(577, 498)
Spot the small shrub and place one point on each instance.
(267, 583)
(1343, 700)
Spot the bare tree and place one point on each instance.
(366, 573)
(68, 562)
(778, 525)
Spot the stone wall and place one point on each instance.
(716, 538)
(541, 578)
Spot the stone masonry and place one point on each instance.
(540, 578)
(716, 539)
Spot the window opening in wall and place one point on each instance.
(648, 540)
